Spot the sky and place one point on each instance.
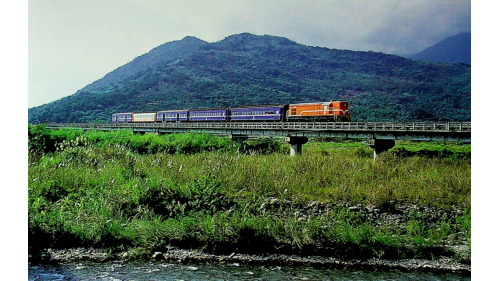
(74, 43)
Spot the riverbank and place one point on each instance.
(454, 256)
(176, 255)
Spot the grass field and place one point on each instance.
(142, 192)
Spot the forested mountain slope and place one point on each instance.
(246, 69)
(452, 49)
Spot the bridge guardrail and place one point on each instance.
(310, 126)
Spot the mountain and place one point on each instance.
(162, 54)
(452, 49)
(247, 69)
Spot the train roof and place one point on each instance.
(173, 110)
(319, 102)
(211, 108)
(310, 103)
(259, 106)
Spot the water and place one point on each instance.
(137, 270)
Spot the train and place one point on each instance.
(332, 111)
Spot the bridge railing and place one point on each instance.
(310, 126)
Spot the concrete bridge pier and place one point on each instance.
(238, 138)
(296, 144)
(380, 145)
(144, 131)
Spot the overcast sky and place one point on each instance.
(73, 43)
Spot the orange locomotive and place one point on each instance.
(337, 111)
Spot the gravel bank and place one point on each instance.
(185, 256)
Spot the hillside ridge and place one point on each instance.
(161, 54)
(452, 49)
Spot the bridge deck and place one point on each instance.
(440, 131)
(364, 126)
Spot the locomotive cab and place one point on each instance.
(336, 111)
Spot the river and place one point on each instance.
(153, 270)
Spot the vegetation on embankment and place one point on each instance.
(138, 194)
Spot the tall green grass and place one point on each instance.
(128, 192)
(42, 140)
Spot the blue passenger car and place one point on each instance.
(258, 113)
(121, 117)
(172, 116)
(210, 114)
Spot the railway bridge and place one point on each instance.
(381, 136)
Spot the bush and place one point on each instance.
(203, 196)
